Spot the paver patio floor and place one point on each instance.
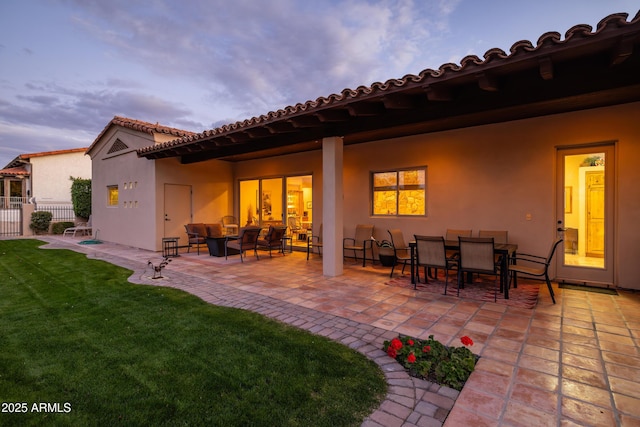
(573, 363)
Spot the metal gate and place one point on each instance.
(11, 216)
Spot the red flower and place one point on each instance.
(411, 358)
(426, 349)
(391, 352)
(396, 344)
(466, 340)
(410, 342)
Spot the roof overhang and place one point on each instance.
(587, 69)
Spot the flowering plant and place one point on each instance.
(430, 360)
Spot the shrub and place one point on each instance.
(40, 221)
(81, 197)
(59, 227)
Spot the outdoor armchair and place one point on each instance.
(196, 235)
(362, 240)
(247, 240)
(214, 230)
(535, 266)
(273, 238)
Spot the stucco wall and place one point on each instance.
(489, 177)
(135, 225)
(485, 177)
(50, 175)
(212, 187)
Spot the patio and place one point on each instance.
(573, 363)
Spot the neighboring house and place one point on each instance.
(44, 177)
(543, 138)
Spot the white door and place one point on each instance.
(177, 211)
(585, 214)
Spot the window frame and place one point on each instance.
(397, 188)
(110, 201)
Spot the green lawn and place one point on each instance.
(74, 332)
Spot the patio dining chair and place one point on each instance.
(247, 240)
(499, 236)
(431, 253)
(295, 226)
(315, 241)
(400, 249)
(273, 239)
(230, 224)
(477, 256)
(362, 240)
(453, 235)
(535, 266)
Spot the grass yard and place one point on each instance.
(97, 350)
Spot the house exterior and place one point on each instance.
(44, 177)
(540, 141)
(39, 180)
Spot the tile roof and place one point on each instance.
(25, 157)
(613, 33)
(20, 170)
(140, 126)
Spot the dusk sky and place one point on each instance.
(68, 66)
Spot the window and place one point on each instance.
(112, 195)
(401, 192)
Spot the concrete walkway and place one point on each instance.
(573, 363)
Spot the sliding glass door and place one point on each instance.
(270, 201)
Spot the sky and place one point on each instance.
(67, 67)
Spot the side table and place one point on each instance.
(170, 246)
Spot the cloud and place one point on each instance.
(259, 57)
(203, 63)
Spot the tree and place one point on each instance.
(81, 197)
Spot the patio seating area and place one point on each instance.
(569, 363)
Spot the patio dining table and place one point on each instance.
(506, 250)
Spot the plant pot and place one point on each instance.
(387, 256)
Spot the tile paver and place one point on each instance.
(573, 363)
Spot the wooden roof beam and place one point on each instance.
(238, 137)
(438, 93)
(280, 127)
(258, 132)
(546, 68)
(623, 50)
(487, 82)
(304, 121)
(398, 102)
(335, 115)
(365, 109)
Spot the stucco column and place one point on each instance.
(27, 210)
(7, 192)
(332, 202)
